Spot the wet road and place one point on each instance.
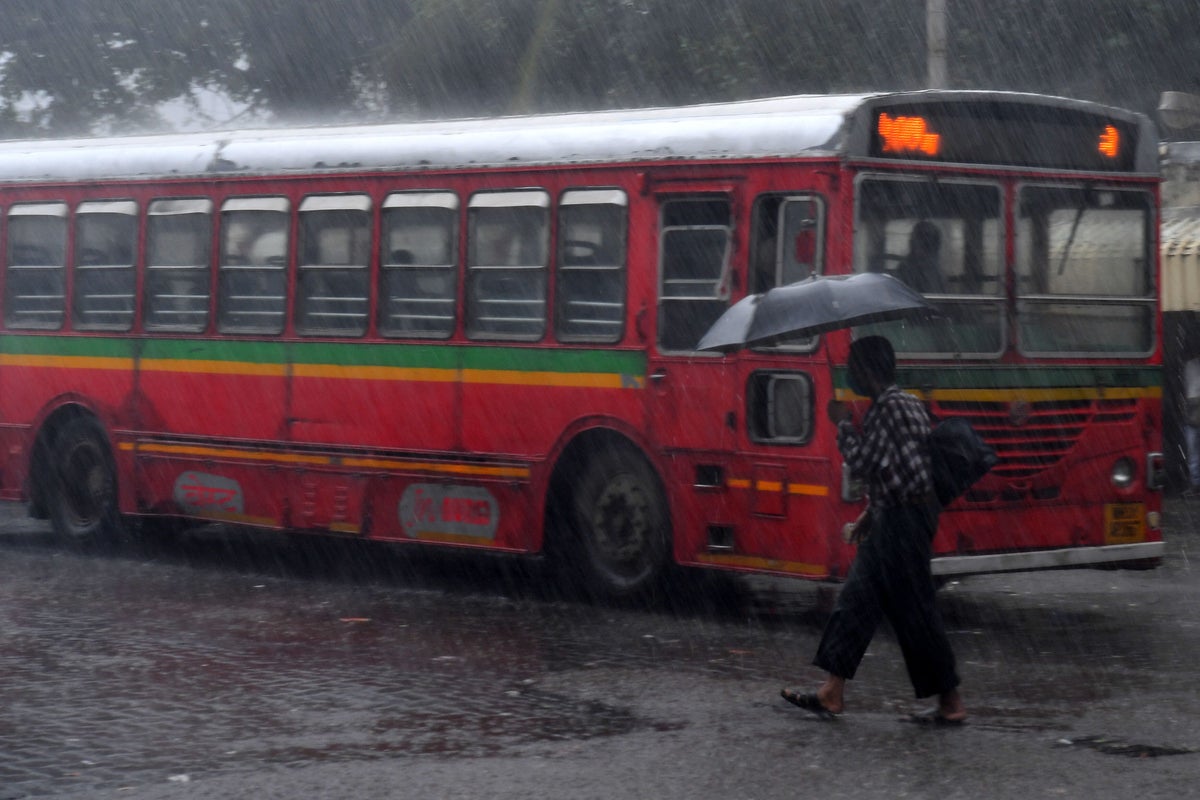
(232, 665)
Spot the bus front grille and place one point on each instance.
(1035, 436)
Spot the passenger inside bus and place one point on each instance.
(921, 269)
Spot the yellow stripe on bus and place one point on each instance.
(767, 564)
(451, 538)
(199, 451)
(587, 380)
(811, 490)
(591, 380)
(66, 362)
(230, 516)
(224, 452)
(425, 466)
(211, 367)
(807, 489)
(342, 372)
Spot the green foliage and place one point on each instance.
(69, 67)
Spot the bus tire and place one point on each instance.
(83, 485)
(619, 524)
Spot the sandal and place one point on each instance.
(934, 718)
(809, 702)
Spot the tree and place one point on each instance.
(68, 67)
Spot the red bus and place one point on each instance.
(481, 333)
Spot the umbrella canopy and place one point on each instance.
(812, 306)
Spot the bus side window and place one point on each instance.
(418, 264)
(694, 276)
(334, 276)
(105, 244)
(798, 253)
(507, 247)
(590, 290)
(779, 407)
(178, 241)
(34, 295)
(252, 278)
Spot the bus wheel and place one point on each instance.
(620, 524)
(83, 492)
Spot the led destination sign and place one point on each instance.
(1004, 134)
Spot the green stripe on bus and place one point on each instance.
(250, 352)
(429, 356)
(79, 346)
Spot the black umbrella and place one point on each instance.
(812, 306)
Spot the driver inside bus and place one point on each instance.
(921, 269)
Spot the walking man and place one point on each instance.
(890, 575)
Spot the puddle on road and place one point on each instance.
(490, 728)
(1114, 746)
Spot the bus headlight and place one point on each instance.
(1122, 473)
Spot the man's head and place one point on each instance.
(872, 365)
(925, 239)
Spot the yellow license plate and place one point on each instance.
(1124, 523)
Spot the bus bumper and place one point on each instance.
(1141, 554)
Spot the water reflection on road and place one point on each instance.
(228, 653)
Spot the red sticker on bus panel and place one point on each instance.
(201, 493)
(430, 508)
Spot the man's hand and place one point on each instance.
(837, 410)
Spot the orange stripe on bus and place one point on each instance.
(219, 452)
(769, 564)
(229, 516)
(65, 362)
(478, 470)
(210, 367)
(425, 466)
(452, 538)
(339, 371)
(594, 380)
(807, 489)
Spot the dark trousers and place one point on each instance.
(890, 578)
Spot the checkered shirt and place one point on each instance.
(891, 452)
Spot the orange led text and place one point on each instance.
(1110, 141)
(908, 135)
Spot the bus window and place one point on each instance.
(419, 264)
(946, 240)
(334, 277)
(694, 289)
(34, 296)
(105, 243)
(590, 289)
(1084, 271)
(178, 240)
(799, 253)
(252, 279)
(507, 245)
(779, 407)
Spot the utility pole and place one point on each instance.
(935, 42)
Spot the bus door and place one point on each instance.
(691, 393)
(784, 477)
(692, 411)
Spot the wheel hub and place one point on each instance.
(620, 521)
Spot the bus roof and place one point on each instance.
(800, 125)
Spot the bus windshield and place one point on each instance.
(1084, 279)
(945, 239)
